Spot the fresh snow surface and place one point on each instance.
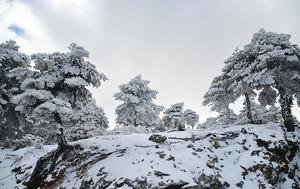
(142, 157)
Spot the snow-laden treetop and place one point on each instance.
(72, 67)
(135, 91)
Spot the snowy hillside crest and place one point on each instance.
(245, 156)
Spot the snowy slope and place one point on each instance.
(247, 156)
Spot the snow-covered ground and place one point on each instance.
(227, 157)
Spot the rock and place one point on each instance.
(245, 148)
(158, 138)
(171, 158)
(210, 164)
(255, 152)
(179, 185)
(240, 184)
(244, 131)
(263, 143)
(161, 154)
(160, 174)
(210, 182)
(215, 143)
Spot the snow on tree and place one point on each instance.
(216, 96)
(226, 118)
(267, 96)
(209, 122)
(278, 59)
(219, 96)
(57, 91)
(191, 117)
(174, 117)
(297, 96)
(238, 79)
(28, 140)
(272, 114)
(10, 58)
(91, 121)
(137, 108)
(269, 60)
(261, 114)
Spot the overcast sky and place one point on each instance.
(179, 45)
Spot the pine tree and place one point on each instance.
(191, 117)
(137, 108)
(268, 61)
(91, 121)
(10, 58)
(239, 83)
(279, 59)
(174, 117)
(219, 96)
(57, 90)
(209, 122)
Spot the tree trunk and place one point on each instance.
(61, 139)
(248, 108)
(74, 99)
(134, 122)
(179, 125)
(286, 102)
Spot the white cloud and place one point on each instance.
(178, 45)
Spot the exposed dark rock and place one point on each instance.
(158, 138)
(171, 158)
(210, 164)
(240, 184)
(176, 185)
(160, 174)
(244, 131)
(161, 154)
(263, 143)
(48, 166)
(210, 182)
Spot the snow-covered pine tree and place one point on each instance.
(57, 90)
(236, 75)
(137, 108)
(226, 118)
(91, 121)
(10, 58)
(219, 96)
(269, 60)
(208, 123)
(276, 64)
(191, 117)
(174, 117)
